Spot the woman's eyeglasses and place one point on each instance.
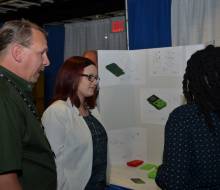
(91, 78)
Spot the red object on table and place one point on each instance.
(135, 163)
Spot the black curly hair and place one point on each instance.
(201, 81)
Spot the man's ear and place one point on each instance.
(17, 52)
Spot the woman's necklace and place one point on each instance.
(29, 104)
(84, 110)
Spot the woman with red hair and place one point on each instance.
(72, 125)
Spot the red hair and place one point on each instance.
(67, 81)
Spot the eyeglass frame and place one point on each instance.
(91, 78)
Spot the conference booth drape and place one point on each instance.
(195, 22)
(56, 56)
(149, 23)
(93, 35)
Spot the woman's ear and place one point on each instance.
(17, 52)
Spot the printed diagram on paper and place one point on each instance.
(165, 62)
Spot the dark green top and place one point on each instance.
(23, 144)
(97, 180)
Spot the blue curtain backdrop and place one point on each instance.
(56, 55)
(149, 23)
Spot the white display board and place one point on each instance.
(128, 78)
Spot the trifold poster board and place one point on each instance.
(138, 90)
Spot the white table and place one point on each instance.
(121, 175)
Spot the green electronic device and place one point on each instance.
(157, 102)
(115, 69)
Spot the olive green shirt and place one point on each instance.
(24, 148)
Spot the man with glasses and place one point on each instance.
(26, 159)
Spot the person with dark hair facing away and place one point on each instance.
(73, 127)
(191, 158)
(26, 159)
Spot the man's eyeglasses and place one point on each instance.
(91, 78)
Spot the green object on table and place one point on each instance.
(151, 168)
(152, 174)
(148, 166)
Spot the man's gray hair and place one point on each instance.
(19, 31)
